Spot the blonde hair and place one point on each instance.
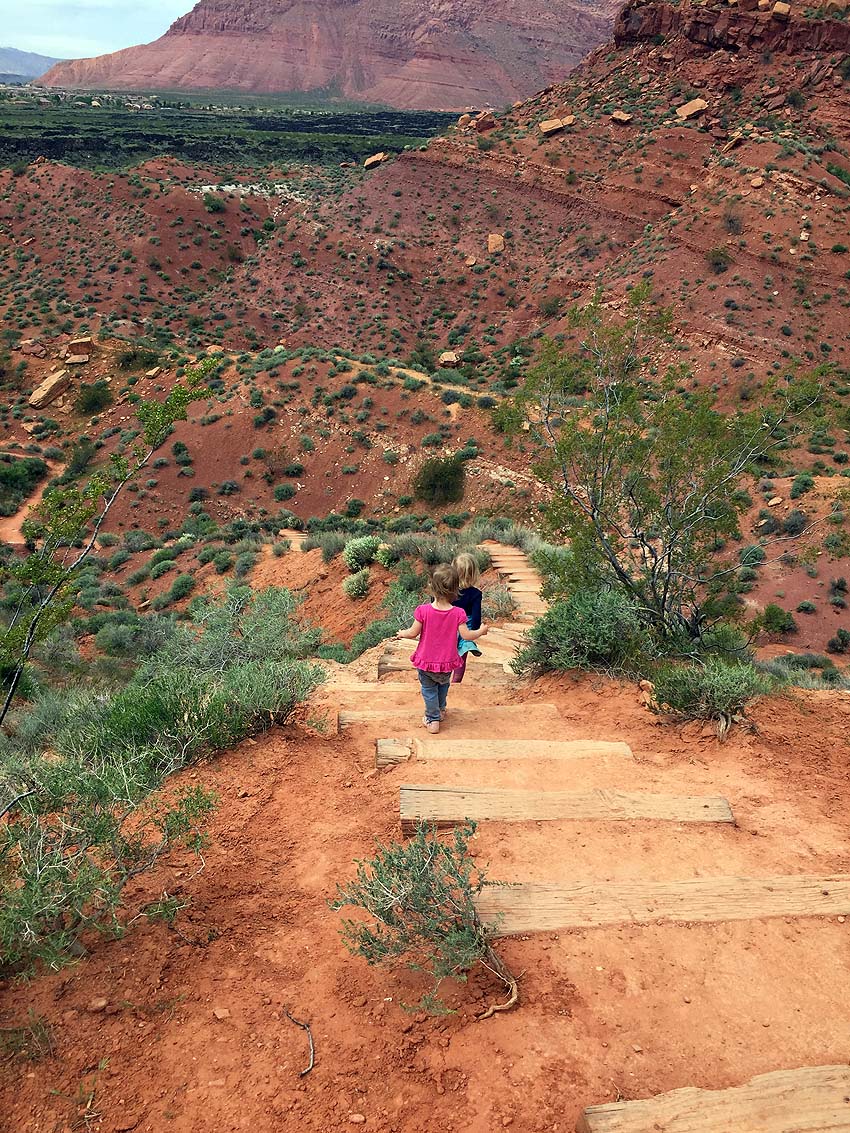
(467, 570)
(444, 582)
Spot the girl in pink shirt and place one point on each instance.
(437, 625)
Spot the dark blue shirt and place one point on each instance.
(469, 600)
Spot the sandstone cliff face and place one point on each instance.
(744, 27)
(413, 54)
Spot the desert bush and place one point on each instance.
(330, 542)
(498, 603)
(718, 260)
(94, 397)
(99, 811)
(776, 620)
(136, 541)
(357, 585)
(18, 478)
(359, 552)
(440, 480)
(803, 482)
(644, 486)
(136, 358)
(839, 643)
(795, 522)
(752, 556)
(716, 690)
(420, 898)
(162, 567)
(589, 630)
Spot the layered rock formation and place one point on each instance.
(748, 25)
(414, 54)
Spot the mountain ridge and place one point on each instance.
(417, 54)
(27, 64)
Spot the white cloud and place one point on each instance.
(85, 27)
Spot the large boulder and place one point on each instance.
(51, 388)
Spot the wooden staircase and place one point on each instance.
(522, 765)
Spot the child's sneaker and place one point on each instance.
(432, 726)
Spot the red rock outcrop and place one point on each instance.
(730, 28)
(415, 54)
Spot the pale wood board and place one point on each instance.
(813, 1099)
(445, 806)
(532, 907)
(390, 751)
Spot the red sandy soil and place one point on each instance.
(194, 1035)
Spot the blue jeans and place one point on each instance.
(435, 689)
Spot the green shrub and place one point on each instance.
(283, 492)
(93, 398)
(440, 480)
(18, 478)
(589, 630)
(140, 541)
(244, 563)
(839, 643)
(330, 542)
(718, 260)
(357, 585)
(803, 482)
(358, 553)
(807, 607)
(716, 691)
(161, 568)
(795, 522)
(97, 816)
(419, 896)
(776, 620)
(752, 556)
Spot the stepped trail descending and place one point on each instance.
(678, 970)
(533, 784)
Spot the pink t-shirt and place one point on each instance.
(437, 648)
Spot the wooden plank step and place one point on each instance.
(813, 1099)
(446, 806)
(536, 715)
(397, 664)
(538, 908)
(392, 751)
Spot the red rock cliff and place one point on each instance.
(417, 54)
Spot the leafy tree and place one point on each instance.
(420, 895)
(644, 479)
(63, 529)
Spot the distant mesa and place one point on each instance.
(416, 55)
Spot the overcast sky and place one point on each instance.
(73, 29)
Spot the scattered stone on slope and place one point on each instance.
(375, 159)
(495, 242)
(692, 109)
(486, 120)
(622, 117)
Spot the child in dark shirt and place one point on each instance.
(469, 600)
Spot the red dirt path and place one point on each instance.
(634, 1010)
